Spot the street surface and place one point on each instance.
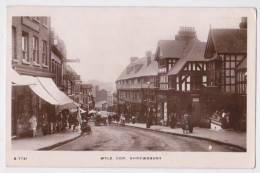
(116, 138)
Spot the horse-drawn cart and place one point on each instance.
(101, 118)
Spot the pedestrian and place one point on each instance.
(173, 120)
(227, 119)
(185, 126)
(223, 119)
(33, 125)
(190, 123)
(75, 123)
(70, 120)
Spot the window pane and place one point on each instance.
(233, 57)
(233, 80)
(188, 87)
(228, 88)
(204, 78)
(227, 72)
(188, 79)
(227, 80)
(232, 72)
(183, 86)
(233, 65)
(198, 68)
(227, 64)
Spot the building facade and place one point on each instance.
(72, 84)
(88, 102)
(226, 52)
(58, 55)
(136, 88)
(31, 55)
(182, 72)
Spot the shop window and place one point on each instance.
(35, 49)
(25, 45)
(44, 52)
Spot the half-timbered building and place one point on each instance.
(226, 52)
(182, 74)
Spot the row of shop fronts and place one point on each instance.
(190, 76)
(201, 105)
(43, 85)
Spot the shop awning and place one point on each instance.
(17, 79)
(39, 90)
(47, 90)
(54, 91)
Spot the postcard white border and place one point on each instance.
(169, 159)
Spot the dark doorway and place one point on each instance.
(195, 111)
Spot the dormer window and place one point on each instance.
(129, 69)
(138, 67)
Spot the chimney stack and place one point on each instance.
(243, 24)
(186, 33)
(148, 55)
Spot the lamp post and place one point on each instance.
(148, 121)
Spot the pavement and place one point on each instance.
(45, 142)
(227, 137)
(116, 138)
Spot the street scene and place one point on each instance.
(128, 83)
(135, 139)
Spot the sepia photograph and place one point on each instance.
(143, 82)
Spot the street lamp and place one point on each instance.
(148, 100)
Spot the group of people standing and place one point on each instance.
(187, 124)
(223, 117)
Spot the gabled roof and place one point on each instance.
(229, 40)
(194, 51)
(150, 70)
(170, 48)
(145, 70)
(243, 64)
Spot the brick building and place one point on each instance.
(31, 46)
(37, 60)
(30, 56)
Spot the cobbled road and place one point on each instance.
(116, 138)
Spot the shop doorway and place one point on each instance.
(195, 111)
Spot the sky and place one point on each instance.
(104, 39)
